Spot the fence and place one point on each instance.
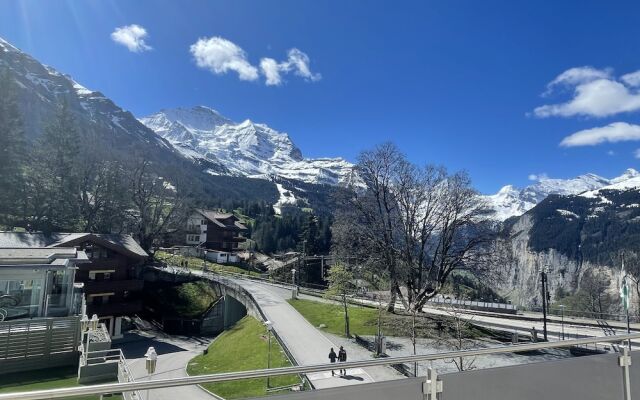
(613, 382)
(476, 305)
(39, 343)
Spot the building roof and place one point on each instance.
(218, 219)
(30, 256)
(121, 243)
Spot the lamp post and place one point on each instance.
(269, 326)
(562, 306)
(204, 267)
(543, 275)
(151, 360)
(294, 291)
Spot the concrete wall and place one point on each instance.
(585, 378)
(234, 311)
(98, 372)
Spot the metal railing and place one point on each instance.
(263, 373)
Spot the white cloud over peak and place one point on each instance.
(220, 56)
(596, 93)
(132, 37)
(271, 71)
(296, 62)
(612, 133)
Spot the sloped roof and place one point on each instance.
(217, 217)
(118, 242)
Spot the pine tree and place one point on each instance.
(56, 174)
(309, 236)
(12, 156)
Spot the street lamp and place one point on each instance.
(543, 275)
(562, 306)
(294, 291)
(151, 360)
(204, 267)
(269, 326)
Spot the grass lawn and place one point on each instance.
(241, 348)
(54, 378)
(197, 263)
(364, 321)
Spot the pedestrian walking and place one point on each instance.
(332, 358)
(342, 357)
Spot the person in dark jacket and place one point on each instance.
(342, 357)
(332, 358)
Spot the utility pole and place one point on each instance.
(543, 275)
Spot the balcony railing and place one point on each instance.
(263, 373)
(130, 307)
(113, 285)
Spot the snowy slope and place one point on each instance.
(511, 201)
(245, 149)
(42, 89)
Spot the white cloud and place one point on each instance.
(611, 153)
(132, 37)
(538, 177)
(595, 93)
(297, 62)
(271, 71)
(220, 56)
(577, 75)
(636, 153)
(632, 79)
(612, 133)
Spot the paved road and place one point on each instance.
(305, 342)
(174, 353)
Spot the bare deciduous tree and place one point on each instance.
(158, 203)
(416, 225)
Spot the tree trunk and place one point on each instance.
(346, 317)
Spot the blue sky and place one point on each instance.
(457, 83)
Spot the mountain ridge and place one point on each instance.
(511, 201)
(246, 148)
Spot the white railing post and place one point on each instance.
(625, 362)
(431, 386)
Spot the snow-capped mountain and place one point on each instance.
(244, 149)
(42, 89)
(511, 201)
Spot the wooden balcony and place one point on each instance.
(119, 308)
(130, 285)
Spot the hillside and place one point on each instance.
(571, 236)
(41, 92)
